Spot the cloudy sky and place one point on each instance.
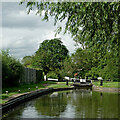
(22, 33)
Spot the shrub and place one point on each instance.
(52, 75)
(12, 70)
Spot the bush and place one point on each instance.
(93, 73)
(12, 70)
(52, 75)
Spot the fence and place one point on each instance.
(31, 76)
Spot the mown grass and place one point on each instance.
(3, 96)
(2, 101)
(65, 83)
(24, 88)
(108, 84)
(58, 86)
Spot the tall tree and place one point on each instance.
(12, 69)
(89, 22)
(94, 25)
(50, 55)
(27, 60)
(82, 60)
(69, 67)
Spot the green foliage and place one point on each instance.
(93, 73)
(95, 26)
(69, 67)
(80, 62)
(87, 63)
(89, 22)
(12, 70)
(27, 61)
(52, 74)
(50, 55)
(83, 61)
(109, 67)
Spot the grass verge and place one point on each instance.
(58, 86)
(24, 88)
(108, 84)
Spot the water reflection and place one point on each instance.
(51, 105)
(69, 104)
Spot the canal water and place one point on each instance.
(68, 104)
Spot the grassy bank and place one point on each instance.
(107, 84)
(58, 86)
(24, 88)
(45, 84)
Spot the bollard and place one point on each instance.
(101, 82)
(67, 82)
(6, 92)
(37, 87)
(29, 89)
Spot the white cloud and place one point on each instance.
(22, 33)
(0, 41)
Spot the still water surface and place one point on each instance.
(69, 104)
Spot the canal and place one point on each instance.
(68, 104)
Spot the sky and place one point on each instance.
(22, 33)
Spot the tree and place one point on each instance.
(83, 61)
(12, 70)
(27, 61)
(92, 24)
(50, 55)
(69, 67)
(85, 21)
